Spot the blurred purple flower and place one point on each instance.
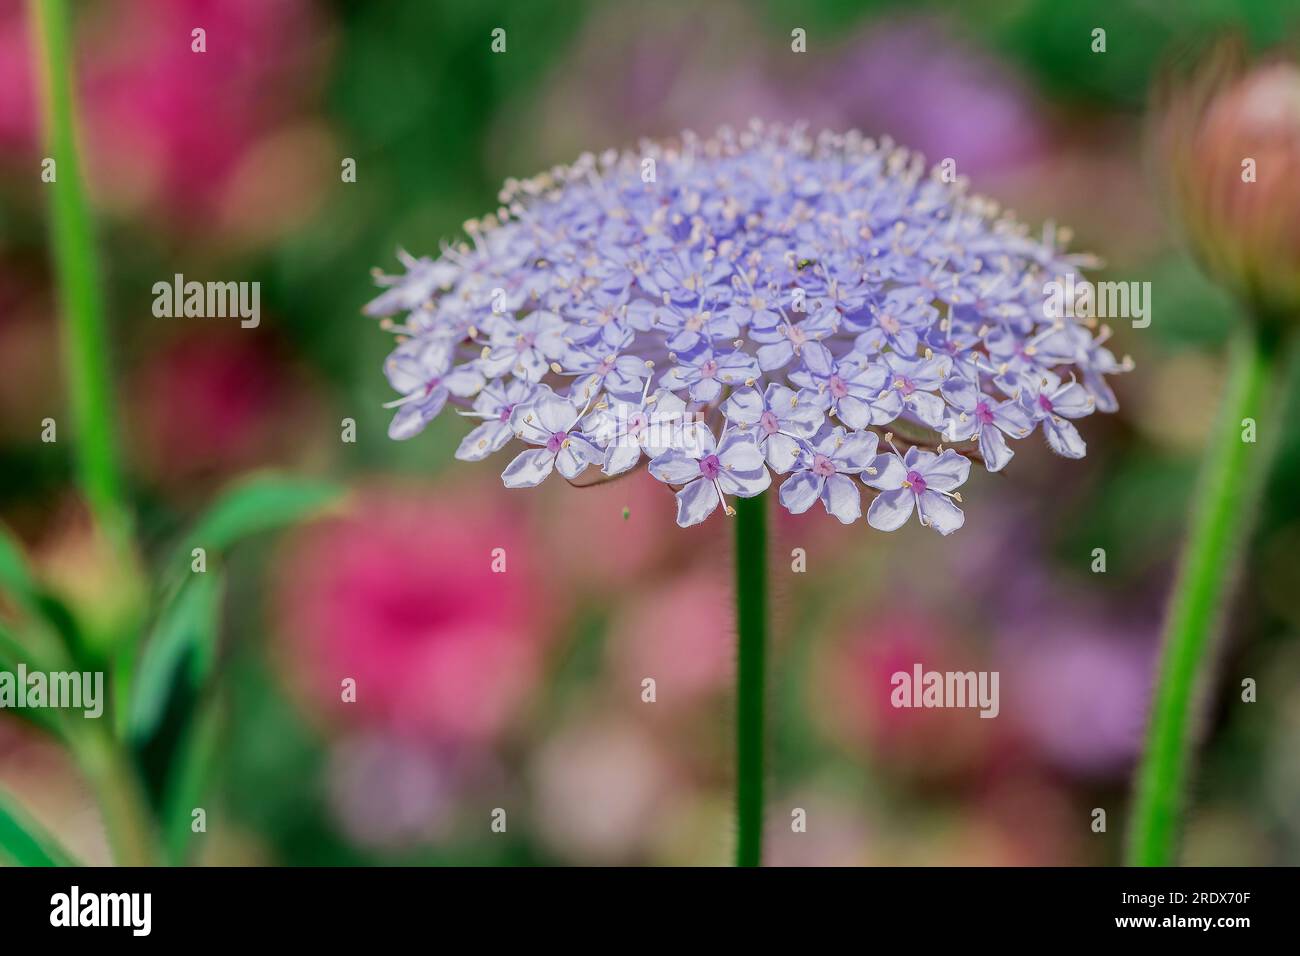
(1081, 689)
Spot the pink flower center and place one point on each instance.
(837, 387)
(905, 385)
(915, 479)
(709, 369)
(556, 441)
(767, 421)
(1045, 403)
(710, 467)
(984, 414)
(823, 466)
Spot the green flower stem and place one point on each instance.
(1232, 481)
(120, 796)
(85, 337)
(751, 628)
(86, 369)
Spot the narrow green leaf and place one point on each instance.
(261, 503)
(15, 577)
(12, 653)
(187, 628)
(24, 842)
(189, 779)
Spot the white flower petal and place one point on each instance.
(529, 469)
(696, 501)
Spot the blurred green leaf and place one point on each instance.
(189, 779)
(47, 614)
(12, 653)
(257, 504)
(15, 577)
(24, 842)
(186, 629)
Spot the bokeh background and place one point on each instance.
(523, 690)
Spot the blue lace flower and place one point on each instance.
(759, 302)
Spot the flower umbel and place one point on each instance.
(796, 293)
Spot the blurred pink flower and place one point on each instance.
(851, 694)
(602, 791)
(163, 122)
(400, 596)
(594, 546)
(682, 634)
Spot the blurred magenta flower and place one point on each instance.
(400, 596)
(250, 398)
(29, 372)
(167, 126)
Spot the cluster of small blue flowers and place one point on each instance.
(755, 303)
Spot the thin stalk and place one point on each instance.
(85, 337)
(751, 630)
(120, 795)
(85, 347)
(1232, 481)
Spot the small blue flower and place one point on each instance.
(553, 423)
(920, 481)
(709, 472)
(824, 473)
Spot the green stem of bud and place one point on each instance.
(1234, 472)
